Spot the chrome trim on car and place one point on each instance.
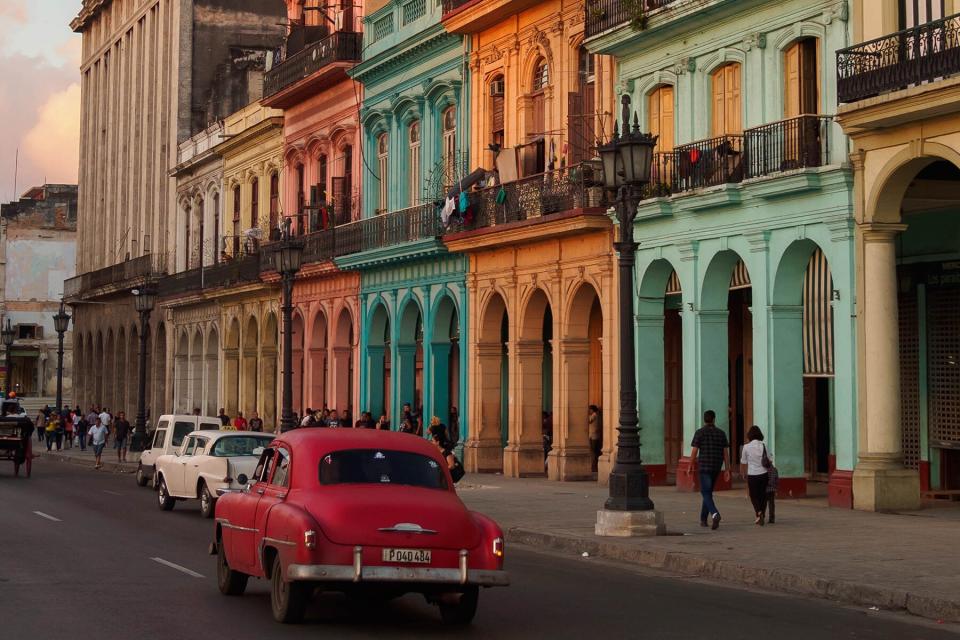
(463, 566)
(346, 573)
(406, 527)
(222, 491)
(357, 563)
(227, 524)
(279, 541)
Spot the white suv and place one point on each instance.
(167, 438)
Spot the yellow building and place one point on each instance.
(899, 90)
(541, 276)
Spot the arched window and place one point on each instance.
(541, 75)
(216, 227)
(497, 87)
(254, 202)
(450, 144)
(236, 220)
(727, 106)
(301, 195)
(801, 94)
(188, 250)
(414, 146)
(534, 153)
(274, 203)
(201, 206)
(383, 171)
(661, 123)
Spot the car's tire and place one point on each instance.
(207, 502)
(464, 610)
(164, 499)
(231, 583)
(288, 600)
(141, 476)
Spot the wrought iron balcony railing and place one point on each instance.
(707, 163)
(342, 46)
(601, 15)
(453, 5)
(790, 144)
(231, 272)
(897, 61)
(421, 222)
(127, 273)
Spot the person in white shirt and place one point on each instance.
(98, 438)
(105, 418)
(754, 463)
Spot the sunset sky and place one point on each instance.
(39, 93)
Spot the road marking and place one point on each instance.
(47, 516)
(173, 565)
(113, 493)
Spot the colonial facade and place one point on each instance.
(412, 293)
(745, 269)
(898, 88)
(540, 279)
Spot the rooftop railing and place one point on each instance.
(342, 46)
(242, 269)
(601, 15)
(910, 57)
(126, 273)
(420, 222)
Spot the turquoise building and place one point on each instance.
(412, 291)
(745, 272)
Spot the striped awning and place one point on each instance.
(817, 318)
(673, 284)
(741, 277)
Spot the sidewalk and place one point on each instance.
(76, 456)
(903, 561)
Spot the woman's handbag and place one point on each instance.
(765, 460)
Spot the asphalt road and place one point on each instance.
(86, 554)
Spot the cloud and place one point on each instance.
(14, 10)
(54, 141)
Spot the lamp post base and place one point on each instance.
(136, 441)
(626, 524)
(629, 490)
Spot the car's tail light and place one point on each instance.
(310, 539)
(498, 547)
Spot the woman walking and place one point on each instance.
(754, 462)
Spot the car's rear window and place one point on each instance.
(381, 466)
(239, 445)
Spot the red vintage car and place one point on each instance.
(368, 513)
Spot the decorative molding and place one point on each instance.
(688, 250)
(755, 40)
(759, 241)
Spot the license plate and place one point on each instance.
(412, 556)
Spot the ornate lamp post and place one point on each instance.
(7, 335)
(144, 300)
(626, 167)
(61, 322)
(287, 259)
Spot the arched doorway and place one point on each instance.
(231, 368)
(660, 370)
(490, 402)
(577, 442)
(379, 370)
(317, 398)
(534, 415)
(250, 368)
(445, 363)
(269, 366)
(195, 400)
(212, 365)
(299, 373)
(410, 357)
(343, 364)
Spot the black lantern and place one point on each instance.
(289, 253)
(627, 158)
(144, 300)
(61, 322)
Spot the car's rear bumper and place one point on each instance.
(422, 575)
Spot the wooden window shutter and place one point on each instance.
(809, 76)
(719, 105)
(654, 106)
(589, 121)
(575, 127)
(497, 105)
(791, 91)
(734, 108)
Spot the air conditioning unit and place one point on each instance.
(496, 88)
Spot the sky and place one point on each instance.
(39, 94)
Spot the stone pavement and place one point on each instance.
(905, 561)
(76, 456)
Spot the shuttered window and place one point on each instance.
(801, 79)
(727, 105)
(414, 185)
(661, 117)
(383, 172)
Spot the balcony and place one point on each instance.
(241, 270)
(118, 277)
(412, 224)
(900, 60)
(796, 143)
(319, 65)
(473, 16)
(601, 15)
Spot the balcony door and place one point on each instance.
(799, 137)
(661, 124)
(727, 104)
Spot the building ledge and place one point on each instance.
(381, 256)
(558, 225)
(897, 108)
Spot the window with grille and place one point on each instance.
(541, 75)
(301, 195)
(382, 27)
(216, 228)
(383, 170)
(496, 110)
(450, 143)
(274, 201)
(414, 185)
(414, 10)
(322, 176)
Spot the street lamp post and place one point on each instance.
(287, 259)
(61, 322)
(626, 166)
(144, 300)
(7, 335)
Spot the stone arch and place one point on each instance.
(133, 370)
(158, 371)
(342, 363)
(409, 351)
(445, 355)
(534, 386)
(122, 369)
(196, 371)
(491, 388)
(379, 359)
(181, 372)
(99, 356)
(79, 368)
(212, 370)
(110, 371)
(302, 370)
(887, 190)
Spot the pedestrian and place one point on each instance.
(98, 438)
(754, 463)
(308, 419)
(196, 411)
(105, 418)
(50, 430)
(81, 430)
(435, 424)
(595, 434)
(383, 424)
(256, 424)
(710, 452)
(121, 430)
(453, 430)
(224, 418)
(438, 433)
(546, 432)
(773, 483)
(240, 422)
(346, 419)
(333, 421)
(41, 423)
(408, 426)
(46, 411)
(70, 427)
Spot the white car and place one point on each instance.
(207, 465)
(168, 437)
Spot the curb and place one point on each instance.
(766, 579)
(117, 467)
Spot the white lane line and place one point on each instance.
(173, 565)
(113, 493)
(47, 516)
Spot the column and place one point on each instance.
(523, 455)
(880, 481)
(785, 433)
(231, 380)
(439, 385)
(180, 382)
(570, 458)
(651, 394)
(375, 402)
(341, 380)
(483, 451)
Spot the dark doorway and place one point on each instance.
(816, 427)
(672, 385)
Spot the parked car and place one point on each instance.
(208, 464)
(364, 512)
(167, 437)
